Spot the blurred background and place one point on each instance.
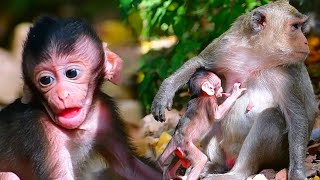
(153, 37)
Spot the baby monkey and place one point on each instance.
(202, 111)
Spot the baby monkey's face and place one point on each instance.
(216, 85)
(218, 91)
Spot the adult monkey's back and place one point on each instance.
(264, 50)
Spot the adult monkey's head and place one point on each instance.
(276, 29)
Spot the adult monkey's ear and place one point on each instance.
(258, 20)
(112, 65)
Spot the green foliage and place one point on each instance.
(194, 22)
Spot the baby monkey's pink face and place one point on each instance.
(218, 91)
(65, 80)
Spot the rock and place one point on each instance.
(311, 173)
(258, 177)
(151, 127)
(147, 138)
(125, 90)
(268, 173)
(10, 79)
(10, 66)
(131, 111)
(116, 91)
(20, 34)
(131, 57)
(310, 158)
(282, 175)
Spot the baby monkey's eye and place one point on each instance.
(46, 80)
(72, 73)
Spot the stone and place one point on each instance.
(130, 110)
(10, 78)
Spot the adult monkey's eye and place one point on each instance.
(46, 80)
(72, 73)
(295, 26)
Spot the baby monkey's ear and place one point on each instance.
(113, 65)
(208, 88)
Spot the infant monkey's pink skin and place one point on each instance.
(202, 112)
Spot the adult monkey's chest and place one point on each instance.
(238, 65)
(243, 114)
(260, 95)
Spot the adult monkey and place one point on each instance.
(68, 120)
(264, 50)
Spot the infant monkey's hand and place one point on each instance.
(237, 91)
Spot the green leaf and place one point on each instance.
(145, 84)
(135, 22)
(179, 26)
(182, 50)
(226, 1)
(187, 46)
(177, 60)
(163, 71)
(181, 11)
(217, 3)
(125, 6)
(160, 13)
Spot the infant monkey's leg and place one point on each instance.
(197, 159)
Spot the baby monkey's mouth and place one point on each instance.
(70, 112)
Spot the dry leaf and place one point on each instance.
(162, 143)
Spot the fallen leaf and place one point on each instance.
(162, 143)
(316, 178)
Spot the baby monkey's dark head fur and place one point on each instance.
(51, 37)
(198, 78)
